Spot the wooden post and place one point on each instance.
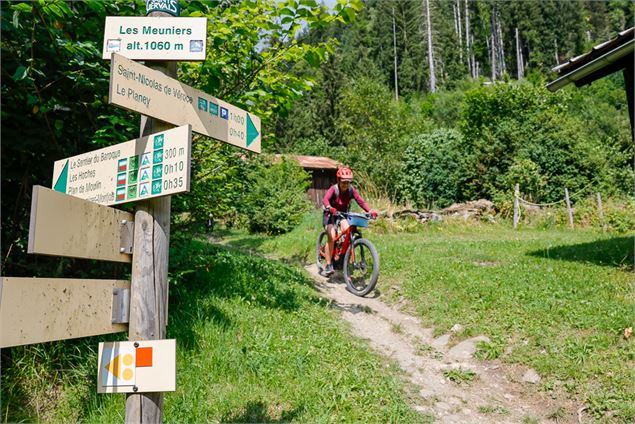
(601, 211)
(569, 210)
(516, 206)
(149, 280)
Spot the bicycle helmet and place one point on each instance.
(344, 174)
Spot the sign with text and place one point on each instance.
(149, 92)
(60, 226)
(144, 366)
(150, 38)
(168, 6)
(37, 310)
(139, 169)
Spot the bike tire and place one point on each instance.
(320, 260)
(359, 248)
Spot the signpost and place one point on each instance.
(146, 167)
(67, 226)
(143, 366)
(72, 220)
(144, 90)
(60, 309)
(146, 38)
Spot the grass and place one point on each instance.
(489, 409)
(255, 343)
(459, 375)
(557, 300)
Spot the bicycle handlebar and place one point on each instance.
(346, 214)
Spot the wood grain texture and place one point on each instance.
(63, 225)
(149, 297)
(36, 310)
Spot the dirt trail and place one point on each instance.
(497, 394)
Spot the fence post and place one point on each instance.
(569, 210)
(516, 205)
(601, 211)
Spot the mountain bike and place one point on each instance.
(355, 255)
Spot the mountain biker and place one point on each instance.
(338, 199)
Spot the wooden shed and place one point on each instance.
(322, 171)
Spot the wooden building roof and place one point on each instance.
(313, 162)
(603, 59)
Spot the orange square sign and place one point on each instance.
(144, 357)
(143, 366)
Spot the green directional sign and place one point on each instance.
(151, 166)
(252, 131)
(171, 101)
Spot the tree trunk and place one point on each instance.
(468, 46)
(433, 80)
(394, 47)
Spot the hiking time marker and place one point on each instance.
(151, 93)
(141, 38)
(143, 366)
(139, 169)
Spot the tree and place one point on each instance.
(55, 85)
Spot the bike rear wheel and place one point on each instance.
(320, 258)
(361, 267)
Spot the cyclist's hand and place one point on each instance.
(373, 213)
(333, 210)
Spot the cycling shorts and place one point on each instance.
(328, 219)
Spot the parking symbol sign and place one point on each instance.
(224, 113)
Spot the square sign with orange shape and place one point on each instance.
(144, 366)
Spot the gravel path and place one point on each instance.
(498, 393)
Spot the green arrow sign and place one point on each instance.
(151, 166)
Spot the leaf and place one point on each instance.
(20, 73)
(22, 7)
(287, 11)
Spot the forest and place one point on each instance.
(430, 102)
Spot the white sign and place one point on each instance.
(139, 169)
(151, 93)
(155, 38)
(144, 366)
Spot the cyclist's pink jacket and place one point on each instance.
(342, 201)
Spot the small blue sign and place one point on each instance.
(213, 108)
(202, 104)
(224, 113)
(196, 46)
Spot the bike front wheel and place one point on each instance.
(361, 267)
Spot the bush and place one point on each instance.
(432, 169)
(520, 133)
(275, 200)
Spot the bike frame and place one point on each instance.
(345, 245)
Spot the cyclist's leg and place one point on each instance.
(328, 248)
(343, 226)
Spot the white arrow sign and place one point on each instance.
(151, 93)
(152, 166)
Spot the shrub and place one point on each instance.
(520, 133)
(432, 169)
(275, 200)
